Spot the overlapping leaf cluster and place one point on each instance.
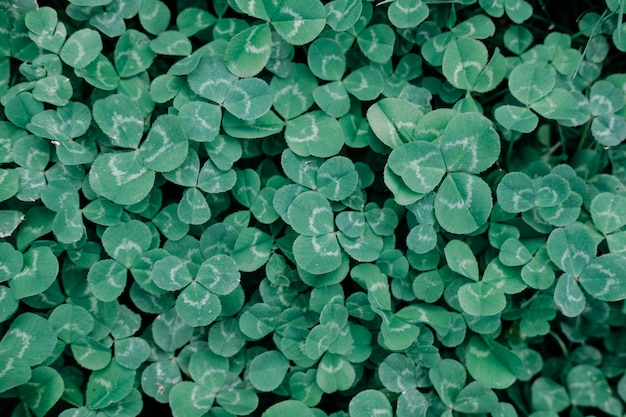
(239, 207)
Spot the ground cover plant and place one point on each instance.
(344, 208)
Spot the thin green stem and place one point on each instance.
(561, 343)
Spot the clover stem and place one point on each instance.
(561, 343)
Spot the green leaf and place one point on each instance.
(326, 59)
(11, 261)
(520, 119)
(317, 254)
(154, 16)
(334, 373)
(107, 279)
(71, 322)
(518, 10)
(482, 298)
(248, 99)
(571, 248)
(463, 203)
(602, 277)
(551, 190)
(127, 241)
(192, 20)
(343, 14)
(461, 259)
(491, 364)
(193, 207)
(121, 177)
(470, 144)
(396, 373)
(412, 403)
(298, 23)
(310, 214)
(608, 211)
(314, 134)
(609, 130)
(405, 14)
(448, 378)
(393, 121)
(568, 296)
(81, 48)
(267, 370)
(171, 273)
(131, 352)
(293, 95)
(172, 43)
(420, 165)
(463, 62)
(197, 306)
(100, 73)
(428, 286)
(55, 89)
(165, 87)
(517, 39)
(476, 398)
(248, 52)
(370, 402)
(516, 192)
(120, 118)
(30, 339)
(288, 408)
(45, 388)
(109, 386)
(132, 53)
(365, 83)
(252, 249)
(530, 82)
(166, 145)
(219, 274)
(377, 42)
(588, 387)
(38, 273)
(549, 395)
(201, 120)
(190, 399)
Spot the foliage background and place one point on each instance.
(409, 208)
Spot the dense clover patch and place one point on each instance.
(341, 208)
